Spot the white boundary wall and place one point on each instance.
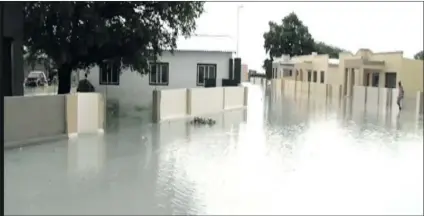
(305, 88)
(318, 90)
(179, 103)
(372, 99)
(205, 100)
(384, 99)
(359, 97)
(88, 112)
(65, 116)
(393, 106)
(176, 106)
(233, 97)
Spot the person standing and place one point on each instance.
(400, 96)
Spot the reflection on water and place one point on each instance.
(44, 90)
(283, 155)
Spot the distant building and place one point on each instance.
(365, 68)
(244, 73)
(382, 69)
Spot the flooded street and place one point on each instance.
(281, 155)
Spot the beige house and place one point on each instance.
(282, 67)
(384, 69)
(308, 68)
(365, 68)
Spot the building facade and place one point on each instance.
(182, 69)
(365, 68)
(382, 69)
(307, 68)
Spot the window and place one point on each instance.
(375, 79)
(207, 71)
(290, 73)
(390, 80)
(109, 74)
(301, 74)
(159, 73)
(309, 75)
(322, 77)
(315, 76)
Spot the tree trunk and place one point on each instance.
(64, 76)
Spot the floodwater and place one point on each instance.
(282, 155)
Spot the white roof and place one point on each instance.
(211, 43)
(217, 43)
(284, 60)
(333, 61)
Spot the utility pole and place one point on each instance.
(238, 28)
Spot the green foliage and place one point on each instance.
(267, 66)
(293, 38)
(79, 35)
(419, 55)
(290, 37)
(33, 59)
(332, 51)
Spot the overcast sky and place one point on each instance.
(379, 26)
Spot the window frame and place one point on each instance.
(158, 74)
(206, 74)
(309, 75)
(322, 77)
(109, 66)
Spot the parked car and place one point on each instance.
(36, 78)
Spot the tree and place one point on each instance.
(332, 51)
(79, 35)
(419, 55)
(290, 37)
(267, 66)
(31, 59)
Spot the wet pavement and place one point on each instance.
(282, 155)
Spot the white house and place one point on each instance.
(194, 60)
(282, 67)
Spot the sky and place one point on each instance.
(379, 26)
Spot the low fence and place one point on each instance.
(314, 90)
(179, 103)
(382, 100)
(33, 119)
(372, 99)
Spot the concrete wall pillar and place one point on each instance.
(350, 80)
(382, 79)
(361, 76)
